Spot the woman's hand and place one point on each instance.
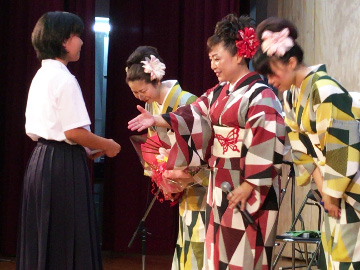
(331, 205)
(240, 194)
(142, 121)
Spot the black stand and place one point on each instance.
(291, 176)
(141, 228)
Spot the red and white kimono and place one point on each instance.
(240, 133)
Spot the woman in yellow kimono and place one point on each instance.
(145, 69)
(323, 128)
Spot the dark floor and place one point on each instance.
(116, 261)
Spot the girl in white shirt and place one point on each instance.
(57, 220)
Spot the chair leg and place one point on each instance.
(278, 256)
(314, 255)
(306, 254)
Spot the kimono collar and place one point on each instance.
(301, 95)
(296, 92)
(317, 68)
(314, 69)
(246, 80)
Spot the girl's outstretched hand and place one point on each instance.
(142, 121)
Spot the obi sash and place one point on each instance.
(227, 142)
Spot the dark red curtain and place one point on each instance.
(19, 65)
(179, 29)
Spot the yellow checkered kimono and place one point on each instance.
(190, 242)
(323, 129)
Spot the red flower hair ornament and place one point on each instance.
(247, 42)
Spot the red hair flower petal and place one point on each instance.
(247, 42)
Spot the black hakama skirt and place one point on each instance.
(58, 228)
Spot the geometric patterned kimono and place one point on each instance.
(321, 119)
(240, 133)
(189, 251)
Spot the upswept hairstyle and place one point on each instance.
(261, 60)
(134, 67)
(226, 32)
(50, 32)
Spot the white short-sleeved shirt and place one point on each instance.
(55, 103)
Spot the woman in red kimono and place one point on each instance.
(236, 127)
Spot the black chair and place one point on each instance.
(313, 198)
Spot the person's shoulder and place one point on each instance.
(188, 94)
(191, 98)
(324, 87)
(318, 76)
(55, 68)
(186, 97)
(53, 75)
(176, 84)
(260, 87)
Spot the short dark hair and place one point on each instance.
(50, 32)
(226, 32)
(261, 60)
(134, 67)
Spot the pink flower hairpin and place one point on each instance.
(276, 43)
(154, 67)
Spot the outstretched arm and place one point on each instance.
(146, 120)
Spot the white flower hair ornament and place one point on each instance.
(154, 67)
(276, 43)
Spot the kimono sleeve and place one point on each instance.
(338, 135)
(193, 134)
(301, 146)
(264, 139)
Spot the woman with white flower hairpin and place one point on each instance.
(322, 123)
(236, 127)
(144, 71)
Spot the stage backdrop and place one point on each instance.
(19, 65)
(179, 29)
